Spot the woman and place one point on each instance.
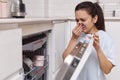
(90, 19)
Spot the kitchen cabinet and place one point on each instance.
(113, 28)
(58, 43)
(71, 24)
(60, 31)
(12, 32)
(16, 30)
(10, 51)
(57, 46)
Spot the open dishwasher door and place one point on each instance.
(75, 61)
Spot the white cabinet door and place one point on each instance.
(70, 26)
(113, 28)
(58, 44)
(10, 52)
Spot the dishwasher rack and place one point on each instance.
(35, 58)
(37, 73)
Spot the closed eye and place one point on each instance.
(77, 20)
(82, 20)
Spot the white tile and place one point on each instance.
(62, 7)
(109, 1)
(35, 8)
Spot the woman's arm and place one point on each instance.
(105, 64)
(75, 34)
(71, 45)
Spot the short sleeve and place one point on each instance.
(108, 47)
(110, 52)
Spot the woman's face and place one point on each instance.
(88, 23)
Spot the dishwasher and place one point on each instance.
(35, 59)
(75, 61)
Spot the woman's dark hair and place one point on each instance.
(93, 9)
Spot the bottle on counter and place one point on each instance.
(4, 9)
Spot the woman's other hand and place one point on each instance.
(96, 43)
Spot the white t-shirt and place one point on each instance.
(91, 70)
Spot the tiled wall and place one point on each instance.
(65, 8)
(109, 1)
(62, 8)
(51, 8)
(35, 8)
(111, 8)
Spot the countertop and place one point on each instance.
(42, 20)
(106, 18)
(30, 20)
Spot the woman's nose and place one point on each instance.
(79, 23)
